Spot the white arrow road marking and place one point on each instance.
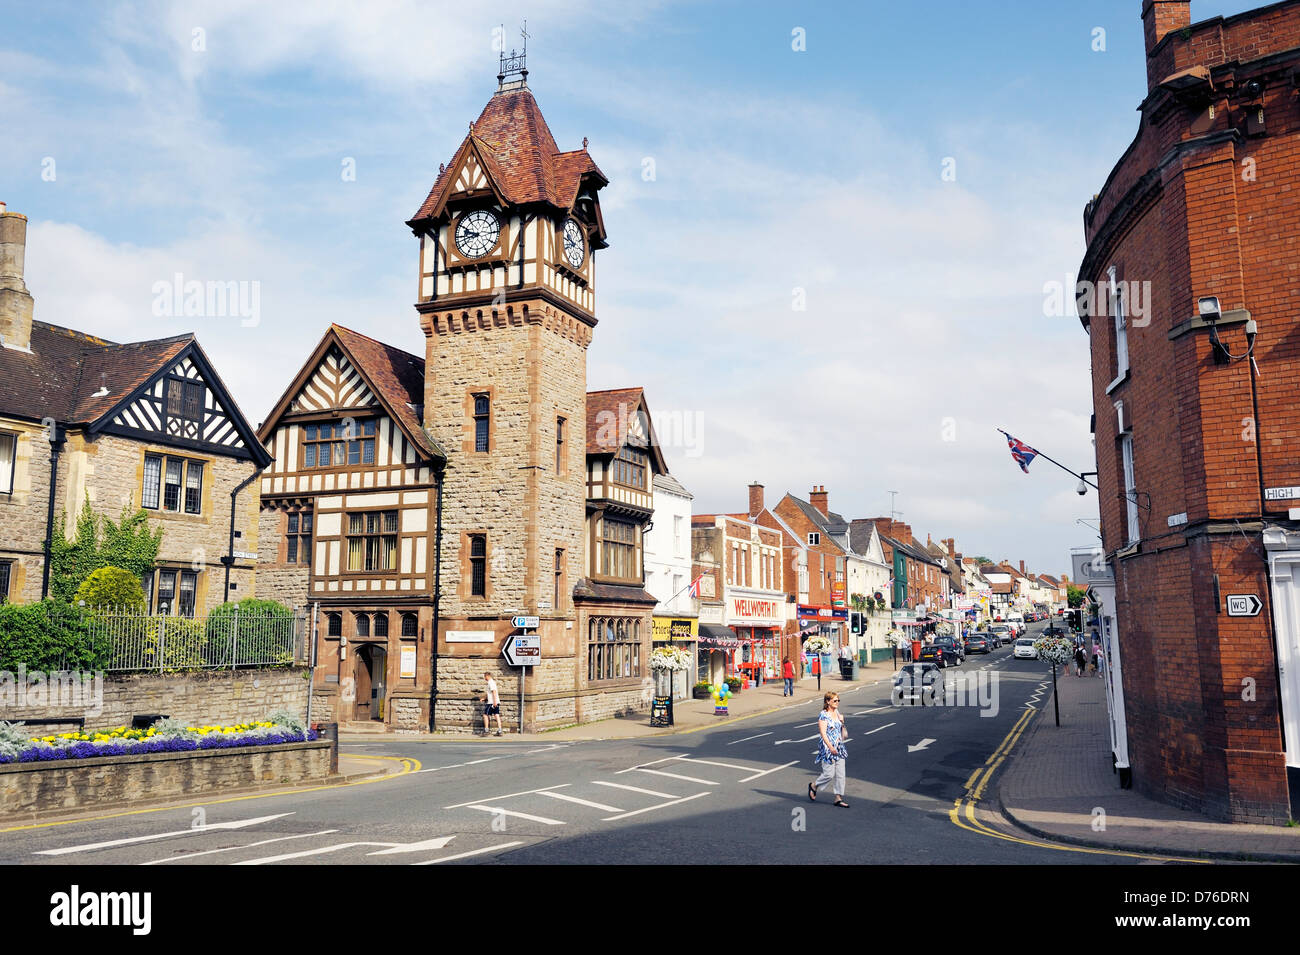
(497, 810)
(921, 745)
(653, 762)
(772, 770)
(879, 728)
(583, 802)
(748, 738)
(804, 740)
(251, 845)
(210, 827)
(472, 852)
(421, 846)
(662, 805)
(634, 789)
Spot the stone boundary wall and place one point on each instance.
(199, 698)
(64, 785)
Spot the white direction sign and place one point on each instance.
(1244, 605)
(523, 650)
(526, 623)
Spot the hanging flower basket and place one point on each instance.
(669, 659)
(1058, 650)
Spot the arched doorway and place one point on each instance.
(371, 681)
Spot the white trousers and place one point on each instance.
(832, 771)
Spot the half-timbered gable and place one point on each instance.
(348, 517)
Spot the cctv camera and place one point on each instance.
(1082, 489)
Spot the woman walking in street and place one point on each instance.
(831, 754)
(787, 674)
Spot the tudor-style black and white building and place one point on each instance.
(139, 425)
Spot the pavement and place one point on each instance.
(1059, 785)
(688, 715)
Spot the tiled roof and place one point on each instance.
(520, 155)
(398, 378)
(604, 406)
(670, 484)
(62, 374)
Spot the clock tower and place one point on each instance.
(507, 242)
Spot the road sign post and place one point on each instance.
(523, 650)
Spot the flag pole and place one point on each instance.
(1059, 465)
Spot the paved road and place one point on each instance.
(732, 793)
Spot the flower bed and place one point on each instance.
(166, 737)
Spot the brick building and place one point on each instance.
(144, 425)
(1189, 275)
(919, 577)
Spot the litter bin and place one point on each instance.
(849, 669)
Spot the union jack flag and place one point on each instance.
(1022, 452)
(694, 588)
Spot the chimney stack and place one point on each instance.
(755, 499)
(1162, 17)
(818, 499)
(1022, 568)
(951, 543)
(15, 300)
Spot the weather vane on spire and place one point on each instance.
(514, 64)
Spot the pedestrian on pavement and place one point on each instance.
(491, 703)
(1080, 660)
(831, 754)
(1096, 659)
(787, 674)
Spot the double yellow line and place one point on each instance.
(963, 813)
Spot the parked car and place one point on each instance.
(956, 643)
(912, 682)
(978, 643)
(1002, 632)
(1054, 631)
(1024, 649)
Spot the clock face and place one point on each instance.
(575, 245)
(477, 233)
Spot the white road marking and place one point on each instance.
(655, 762)
(706, 762)
(526, 792)
(766, 771)
(804, 740)
(210, 827)
(422, 846)
(802, 725)
(662, 805)
(495, 810)
(251, 845)
(878, 709)
(689, 779)
(635, 789)
(583, 802)
(748, 738)
(879, 728)
(914, 747)
(323, 850)
(472, 852)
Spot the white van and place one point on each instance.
(1017, 622)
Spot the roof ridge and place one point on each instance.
(370, 338)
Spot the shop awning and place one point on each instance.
(718, 638)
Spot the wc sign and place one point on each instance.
(1244, 605)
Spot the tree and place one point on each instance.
(127, 544)
(1074, 595)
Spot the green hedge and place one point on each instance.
(49, 635)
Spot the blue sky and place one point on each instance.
(779, 176)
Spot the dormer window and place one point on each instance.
(629, 468)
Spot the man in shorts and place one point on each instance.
(491, 704)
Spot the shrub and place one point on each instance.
(48, 636)
(13, 739)
(263, 630)
(111, 587)
(735, 683)
(287, 720)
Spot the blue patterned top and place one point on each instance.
(834, 729)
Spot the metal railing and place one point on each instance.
(133, 640)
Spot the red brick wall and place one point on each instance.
(1177, 212)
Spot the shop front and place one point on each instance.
(678, 633)
(716, 653)
(756, 618)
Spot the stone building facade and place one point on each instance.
(145, 425)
